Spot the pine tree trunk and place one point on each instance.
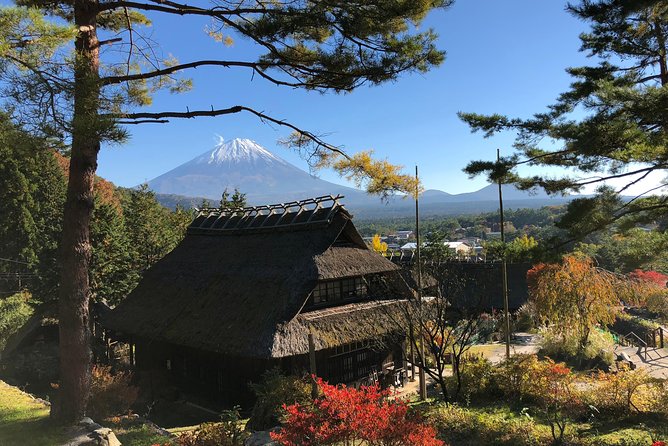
(75, 351)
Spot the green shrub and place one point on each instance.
(14, 312)
(475, 374)
(525, 317)
(110, 393)
(273, 392)
(597, 353)
(623, 437)
(513, 377)
(456, 425)
(623, 393)
(658, 303)
(228, 432)
(487, 329)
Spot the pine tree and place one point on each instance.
(236, 201)
(624, 132)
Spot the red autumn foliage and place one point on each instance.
(345, 415)
(653, 277)
(534, 273)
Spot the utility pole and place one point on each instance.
(423, 382)
(504, 272)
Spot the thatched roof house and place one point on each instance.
(253, 283)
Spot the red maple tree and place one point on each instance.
(349, 416)
(653, 277)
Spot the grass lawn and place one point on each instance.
(137, 434)
(487, 350)
(24, 421)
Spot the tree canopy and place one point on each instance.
(574, 296)
(610, 125)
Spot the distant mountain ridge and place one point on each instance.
(266, 178)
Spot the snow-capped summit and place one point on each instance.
(239, 150)
(245, 165)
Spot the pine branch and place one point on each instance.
(256, 67)
(183, 9)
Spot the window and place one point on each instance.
(336, 290)
(326, 292)
(351, 362)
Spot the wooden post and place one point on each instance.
(661, 336)
(311, 357)
(423, 381)
(412, 352)
(132, 353)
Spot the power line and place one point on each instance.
(14, 261)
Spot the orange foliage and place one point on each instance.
(105, 190)
(574, 295)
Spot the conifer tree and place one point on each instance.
(334, 45)
(32, 191)
(624, 132)
(152, 230)
(235, 201)
(112, 275)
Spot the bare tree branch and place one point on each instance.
(160, 118)
(183, 9)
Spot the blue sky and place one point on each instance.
(502, 56)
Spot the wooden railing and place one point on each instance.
(653, 340)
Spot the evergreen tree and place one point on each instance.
(32, 193)
(236, 201)
(435, 249)
(623, 134)
(152, 229)
(112, 275)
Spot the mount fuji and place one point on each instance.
(245, 165)
(266, 178)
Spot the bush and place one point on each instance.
(624, 437)
(274, 392)
(660, 404)
(525, 317)
(488, 326)
(597, 353)
(476, 375)
(658, 303)
(110, 393)
(344, 415)
(513, 377)
(14, 312)
(229, 432)
(458, 425)
(623, 393)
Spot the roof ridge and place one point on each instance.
(295, 213)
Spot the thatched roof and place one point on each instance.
(46, 315)
(336, 326)
(232, 291)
